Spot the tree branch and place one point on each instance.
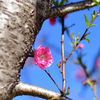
(63, 59)
(20, 23)
(69, 8)
(25, 89)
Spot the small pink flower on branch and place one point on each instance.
(84, 82)
(81, 46)
(80, 74)
(65, 16)
(97, 64)
(42, 57)
(52, 21)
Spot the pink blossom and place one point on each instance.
(84, 82)
(97, 64)
(80, 74)
(81, 46)
(65, 16)
(52, 21)
(42, 57)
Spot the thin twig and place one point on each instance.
(83, 36)
(95, 94)
(54, 82)
(60, 70)
(63, 59)
(31, 56)
(69, 27)
(87, 75)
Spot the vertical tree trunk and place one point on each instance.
(20, 22)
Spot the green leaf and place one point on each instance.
(87, 40)
(32, 53)
(56, 3)
(63, 1)
(92, 17)
(78, 36)
(87, 34)
(86, 21)
(92, 25)
(58, 65)
(68, 90)
(71, 35)
(94, 12)
(94, 98)
(72, 44)
(89, 82)
(66, 0)
(79, 61)
(76, 39)
(97, 2)
(84, 67)
(95, 87)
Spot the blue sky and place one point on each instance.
(51, 36)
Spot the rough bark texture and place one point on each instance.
(20, 22)
(70, 8)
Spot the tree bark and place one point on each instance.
(20, 21)
(70, 8)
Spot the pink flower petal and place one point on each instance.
(42, 57)
(98, 63)
(52, 21)
(81, 46)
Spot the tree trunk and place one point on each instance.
(20, 22)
